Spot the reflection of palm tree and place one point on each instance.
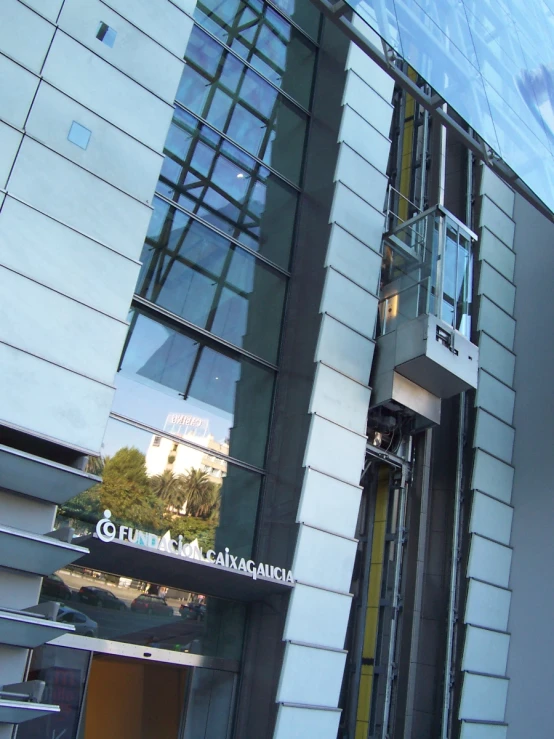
(95, 465)
(200, 493)
(171, 488)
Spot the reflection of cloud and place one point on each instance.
(537, 90)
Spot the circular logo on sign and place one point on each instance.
(105, 529)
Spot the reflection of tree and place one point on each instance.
(201, 494)
(170, 488)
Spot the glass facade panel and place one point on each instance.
(303, 14)
(218, 182)
(165, 371)
(237, 101)
(210, 705)
(200, 275)
(263, 38)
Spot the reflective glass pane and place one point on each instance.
(218, 182)
(236, 100)
(198, 274)
(263, 38)
(166, 372)
(303, 13)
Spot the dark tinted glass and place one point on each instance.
(303, 13)
(214, 179)
(165, 372)
(263, 37)
(200, 275)
(236, 100)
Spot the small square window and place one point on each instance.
(79, 135)
(106, 34)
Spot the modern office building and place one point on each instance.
(276, 403)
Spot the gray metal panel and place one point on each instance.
(483, 697)
(364, 138)
(497, 190)
(485, 651)
(495, 252)
(40, 555)
(494, 396)
(24, 35)
(317, 616)
(344, 349)
(360, 176)
(9, 144)
(497, 288)
(369, 104)
(300, 722)
(340, 399)
(487, 605)
(17, 88)
(323, 559)
(496, 322)
(492, 476)
(358, 217)
(17, 712)
(334, 450)
(311, 676)
(19, 629)
(365, 68)
(328, 503)
(349, 303)
(496, 359)
(489, 561)
(493, 218)
(473, 730)
(354, 259)
(491, 518)
(494, 436)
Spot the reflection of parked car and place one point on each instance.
(154, 604)
(101, 598)
(194, 611)
(84, 625)
(54, 587)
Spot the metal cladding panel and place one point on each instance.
(111, 154)
(487, 606)
(160, 19)
(483, 697)
(358, 217)
(361, 136)
(335, 450)
(496, 397)
(24, 35)
(324, 560)
(497, 221)
(18, 590)
(328, 503)
(97, 85)
(27, 514)
(496, 253)
(496, 322)
(47, 8)
(489, 561)
(344, 349)
(60, 258)
(494, 436)
(299, 722)
(340, 399)
(496, 359)
(68, 193)
(311, 676)
(59, 329)
(354, 259)
(491, 518)
(17, 89)
(497, 190)
(492, 476)
(133, 52)
(367, 103)
(317, 616)
(485, 651)
(49, 400)
(364, 67)
(360, 176)
(9, 144)
(497, 288)
(349, 303)
(483, 731)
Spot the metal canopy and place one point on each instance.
(28, 630)
(34, 553)
(16, 712)
(41, 478)
(177, 572)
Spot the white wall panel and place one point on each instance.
(160, 19)
(357, 217)
(329, 503)
(369, 104)
(353, 258)
(495, 252)
(52, 401)
(497, 221)
(363, 138)
(494, 396)
(24, 35)
(489, 561)
(487, 605)
(65, 191)
(483, 698)
(335, 450)
(323, 559)
(311, 676)
(360, 176)
(133, 52)
(17, 88)
(54, 327)
(349, 303)
(294, 722)
(485, 651)
(345, 349)
(102, 88)
(492, 476)
(494, 436)
(340, 399)
(111, 154)
(47, 8)
(496, 359)
(9, 143)
(491, 518)
(26, 513)
(497, 288)
(60, 258)
(19, 590)
(317, 616)
(497, 190)
(360, 63)
(496, 322)
(483, 731)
